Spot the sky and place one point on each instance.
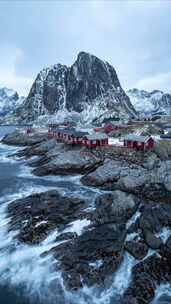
(134, 36)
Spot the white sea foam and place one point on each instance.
(115, 288)
(6, 153)
(161, 291)
(132, 236)
(164, 234)
(26, 171)
(77, 226)
(96, 264)
(22, 264)
(133, 219)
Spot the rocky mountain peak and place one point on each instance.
(93, 68)
(90, 85)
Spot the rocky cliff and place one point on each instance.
(89, 88)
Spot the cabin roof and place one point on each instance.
(97, 136)
(71, 131)
(53, 125)
(140, 138)
(80, 134)
(65, 130)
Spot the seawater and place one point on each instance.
(26, 277)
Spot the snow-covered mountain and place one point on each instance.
(150, 103)
(88, 90)
(9, 101)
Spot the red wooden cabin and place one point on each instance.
(71, 136)
(139, 142)
(108, 128)
(96, 140)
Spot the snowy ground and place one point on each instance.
(115, 141)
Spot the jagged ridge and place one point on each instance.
(10, 102)
(150, 103)
(89, 87)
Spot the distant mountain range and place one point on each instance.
(10, 101)
(150, 103)
(87, 92)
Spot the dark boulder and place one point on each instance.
(115, 207)
(138, 249)
(155, 216)
(151, 240)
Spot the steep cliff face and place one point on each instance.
(47, 94)
(89, 85)
(150, 103)
(88, 79)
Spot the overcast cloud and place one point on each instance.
(134, 36)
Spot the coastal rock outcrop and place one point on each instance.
(92, 257)
(115, 207)
(105, 175)
(85, 258)
(132, 178)
(40, 148)
(70, 162)
(35, 216)
(147, 275)
(91, 236)
(21, 138)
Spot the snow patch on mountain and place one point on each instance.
(150, 103)
(9, 101)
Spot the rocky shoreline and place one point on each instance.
(133, 215)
